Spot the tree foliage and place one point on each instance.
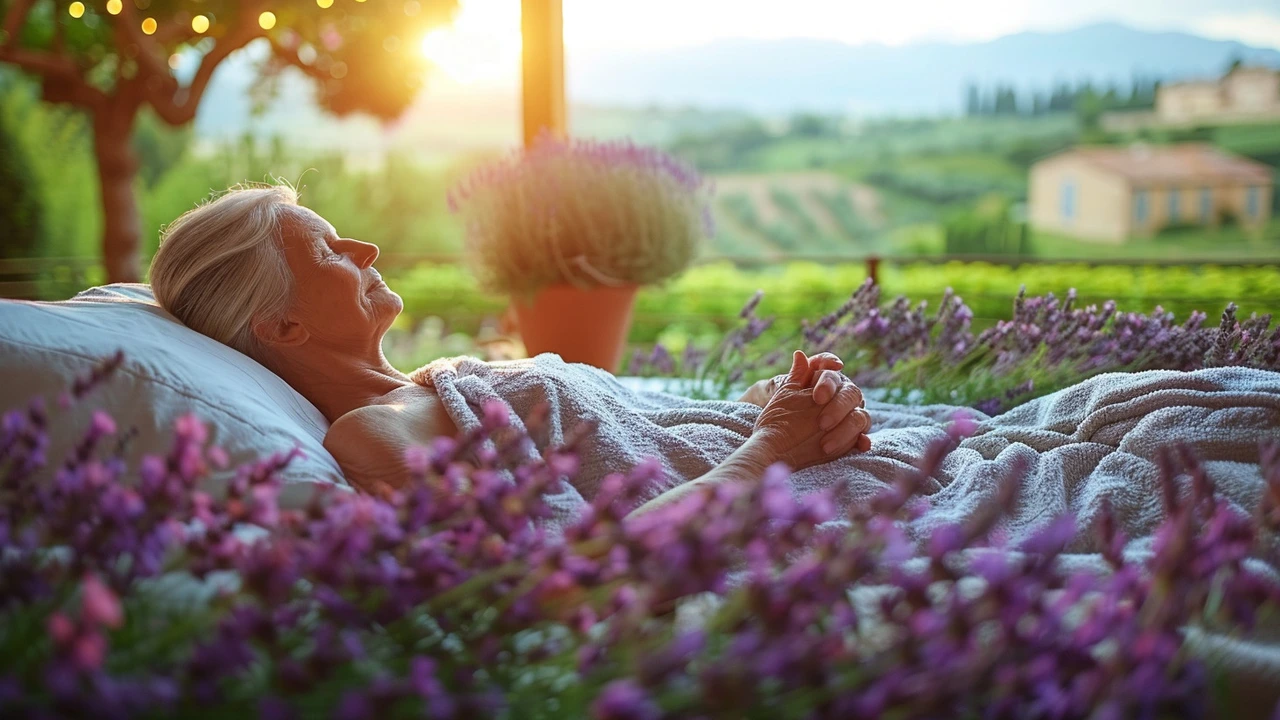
(21, 214)
(362, 54)
(113, 58)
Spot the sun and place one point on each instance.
(481, 46)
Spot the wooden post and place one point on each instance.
(542, 69)
(873, 269)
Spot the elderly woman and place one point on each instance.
(257, 271)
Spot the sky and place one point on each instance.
(614, 23)
(484, 42)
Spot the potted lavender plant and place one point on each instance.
(570, 229)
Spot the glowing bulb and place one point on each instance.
(76, 9)
(325, 3)
(149, 26)
(114, 6)
(200, 23)
(267, 20)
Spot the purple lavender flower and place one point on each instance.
(624, 700)
(448, 599)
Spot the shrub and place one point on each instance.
(583, 213)
(21, 213)
(703, 302)
(988, 229)
(935, 357)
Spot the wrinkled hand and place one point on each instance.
(811, 420)
(824, 367)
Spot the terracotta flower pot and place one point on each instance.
(585, 326)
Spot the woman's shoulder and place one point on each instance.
(369, 442)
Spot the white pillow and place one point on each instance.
(169, 370)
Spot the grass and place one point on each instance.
(802, 154)
(987, 166)
(1221, 244)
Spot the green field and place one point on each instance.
(1225, 244)
(915, 177)
(835, 188)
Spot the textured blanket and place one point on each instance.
(1095, 440)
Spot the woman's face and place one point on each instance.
(338, 298)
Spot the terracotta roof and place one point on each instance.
(1188, 162)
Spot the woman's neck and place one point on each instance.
(337, 383)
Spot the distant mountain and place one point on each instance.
(759, 76)
(778, 76)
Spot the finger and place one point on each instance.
(843, 437)
(863, 444)
(844, 404)
(825, 361)
(799, 374)
(827, 386)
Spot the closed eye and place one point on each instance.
(327, 253)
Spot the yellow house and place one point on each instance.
(1112, 193)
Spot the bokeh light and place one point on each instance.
(325, 3)
(200, 23)
(76, 9)
(480, 47)
(174, 61)
(114, 6)
(267, 20)
(149, 26)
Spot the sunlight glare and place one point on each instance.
(481, 46)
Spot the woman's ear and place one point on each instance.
(283, 332)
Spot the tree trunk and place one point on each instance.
(117, 169)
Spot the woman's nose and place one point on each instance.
(364, 253)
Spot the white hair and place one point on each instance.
(220, 268)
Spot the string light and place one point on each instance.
(200, 23)
(324, 4)
(267, 20)
(76, 9)
(149, 26)
(114, 6)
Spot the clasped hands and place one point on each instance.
(811, 415)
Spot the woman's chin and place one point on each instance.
(392, 299)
